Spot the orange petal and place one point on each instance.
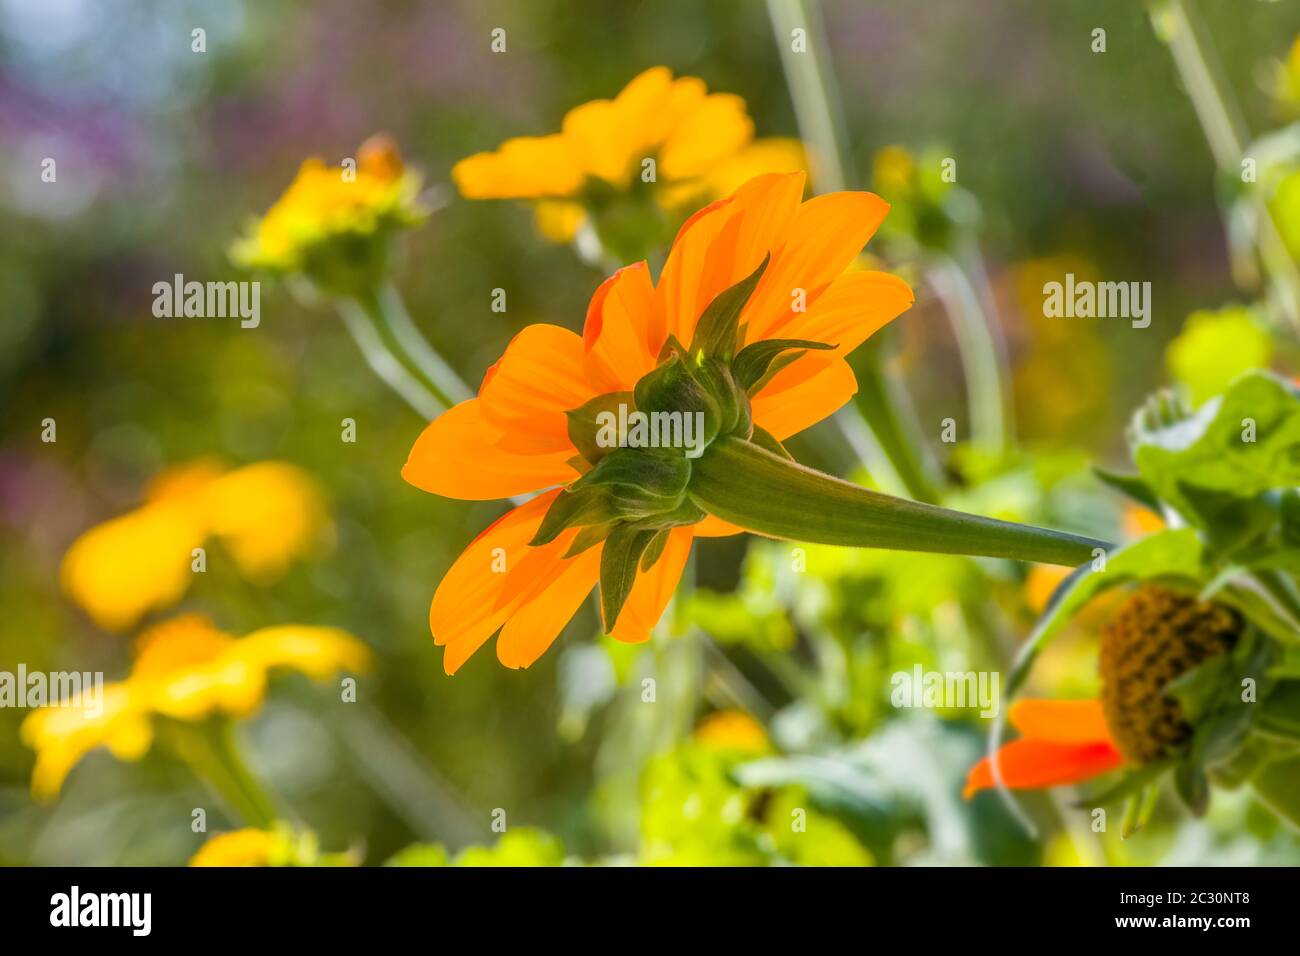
(617, 332)
(455, 457)
(1064, 721)
(473, 599)
(542, 616)
(714, 527)
(1028, 764)
(722, 243)
(653, 589)
(848, 312)
(826, 235)
(525, 394)
(784, 409)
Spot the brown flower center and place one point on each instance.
(1156, 637)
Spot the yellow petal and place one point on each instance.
(529, 167)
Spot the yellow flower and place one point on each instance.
(265, 515)
(281, 845)
(185, 669)
(247, 847)
(315, 226)
(670, 134)
(732, 730)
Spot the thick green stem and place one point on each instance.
(748, 486)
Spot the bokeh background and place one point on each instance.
(1078, 161)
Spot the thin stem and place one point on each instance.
(383, 363)
(761, 492)
(1226, 133)
(211, 751)
(886, 416)
(986, 397)
(447, 385)
(808, 80)
(811, 83)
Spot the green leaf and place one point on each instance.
(1279, 712)
(1214, 450)
(1275, 784)
(717, 332)
(618, 567)
(1130, 485)
(751, 364)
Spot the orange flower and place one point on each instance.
(1062, 742)
(514, 437)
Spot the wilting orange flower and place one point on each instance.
(514, 439)
(701, 143)
(265, 514)
(1061, 742)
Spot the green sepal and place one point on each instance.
(584, 427)
(673, 388)
(588, 537)
(767, 441)
(717, 333)
(574, 509)
(655, 549)
(751, 365)
(718, 379)
(618, 567)
(1193, 788)
(634, 474)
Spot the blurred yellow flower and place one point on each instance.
(732, 730)
(326, 206)
(247, 847)
(185, 669)
(671, 134)
(265, 515)
(281, 845)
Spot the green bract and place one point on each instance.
(683, 445)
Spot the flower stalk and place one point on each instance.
(210, 750)
(802, 504)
